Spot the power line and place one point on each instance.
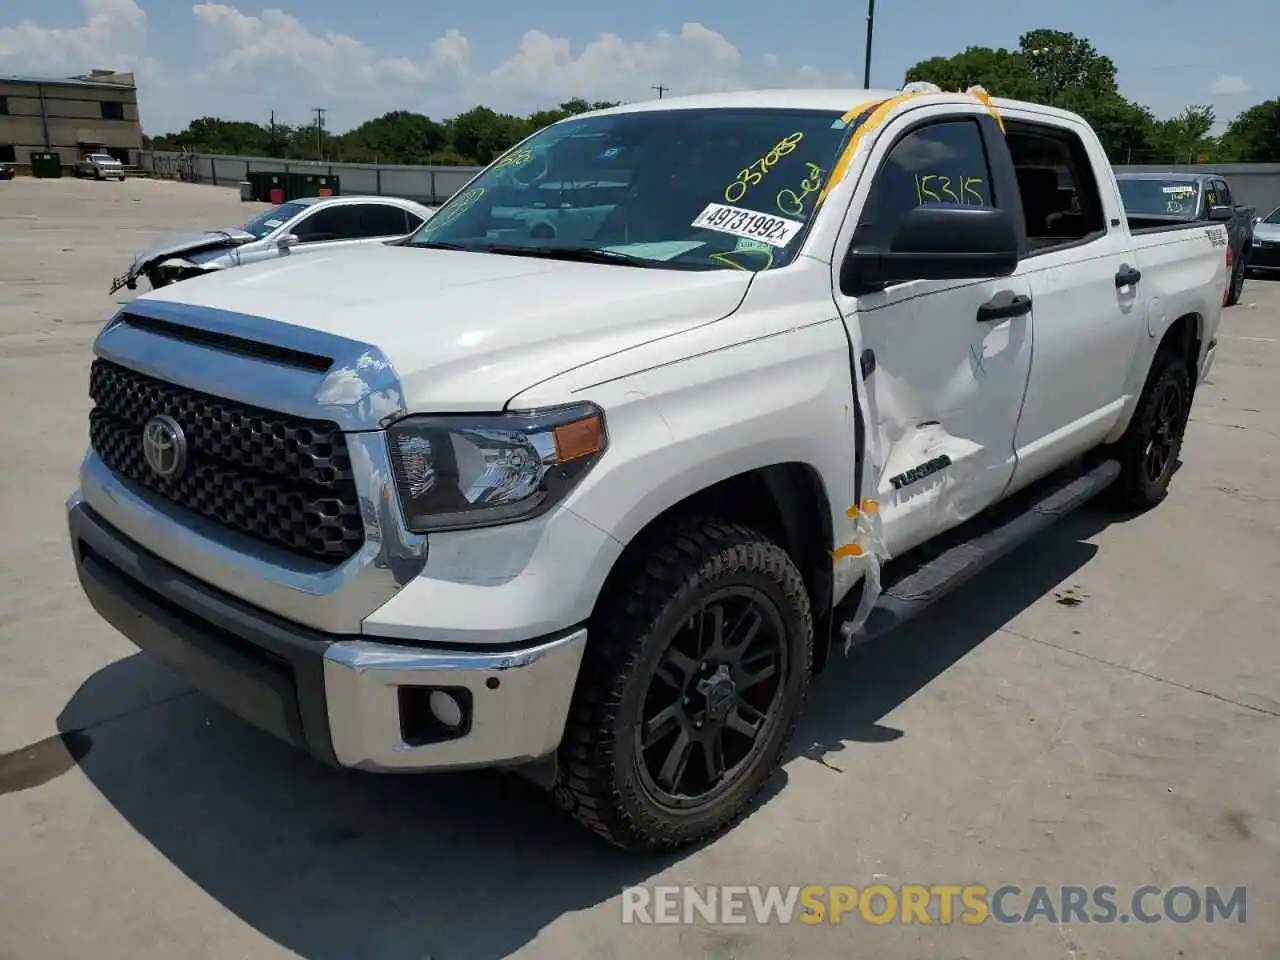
(660, 88)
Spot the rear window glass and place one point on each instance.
(1164, 197)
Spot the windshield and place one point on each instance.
(102, 158)
(273, 219)
(1171, 197)
(682, 189)
(1273, 216)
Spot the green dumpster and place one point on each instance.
(46, 163)
(267, 186)
(311, 185)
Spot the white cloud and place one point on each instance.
(1229, 85)
(113, 36)
(243, 65)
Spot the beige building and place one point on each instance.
(72, 116)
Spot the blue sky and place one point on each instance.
(241, 59)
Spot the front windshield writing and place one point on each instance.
(1162, 198)
(688, 189)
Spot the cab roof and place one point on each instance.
(786, 99)
(834, 100)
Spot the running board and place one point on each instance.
(927, 581)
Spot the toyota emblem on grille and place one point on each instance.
(164, 447)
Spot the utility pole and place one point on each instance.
(320, 112)
(660, 88)
(866, 63)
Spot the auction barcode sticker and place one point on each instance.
(752, 224)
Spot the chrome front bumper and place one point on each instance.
(518, 702)
(346, 700)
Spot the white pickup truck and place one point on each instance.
(587, 476)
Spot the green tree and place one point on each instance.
(1062, 61)
(1055, 68)
(1185, 138)
(483, 133)
(1001, 73)
(1254, 136)
(396, 137)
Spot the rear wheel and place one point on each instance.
(690, 687)
(1148, 451)
(1237, 282)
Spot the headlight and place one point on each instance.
(467, 471)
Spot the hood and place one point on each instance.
(181, 244)
(469, 331)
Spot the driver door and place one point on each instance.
(945, 369)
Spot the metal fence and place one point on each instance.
(1252, 184)
(427, 184)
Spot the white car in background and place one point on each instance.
(297, 226)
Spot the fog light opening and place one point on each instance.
(446, 709)
(434, 714)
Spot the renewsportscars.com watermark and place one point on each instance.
(929, 904)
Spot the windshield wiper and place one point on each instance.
(435, 245)
(575, 254)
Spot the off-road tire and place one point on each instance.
(662, 585)
(1134, 489)
(1235, 286)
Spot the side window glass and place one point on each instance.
(1060, 198)
(943, 163)
(1224, 193)
(412, 222)
(381, 220)
(333, 223)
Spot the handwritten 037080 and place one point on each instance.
(754, 172)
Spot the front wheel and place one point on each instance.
(1148, 451)
(690, 688)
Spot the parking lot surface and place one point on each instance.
(1101, 708)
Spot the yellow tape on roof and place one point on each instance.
(876, 113)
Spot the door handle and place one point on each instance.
(1127, 276)
(999, 309)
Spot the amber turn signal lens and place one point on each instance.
(582, 438)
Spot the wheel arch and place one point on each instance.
(787, 502)
(1183, 337)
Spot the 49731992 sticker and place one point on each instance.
(751, 224)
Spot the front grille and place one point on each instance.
(281, 479)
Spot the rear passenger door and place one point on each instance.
(1089, 312)
(944, 376)
(380, 222)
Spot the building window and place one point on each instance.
(4, 106)
(111, 110)
(7, 153)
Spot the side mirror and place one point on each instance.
(287, 241)
(1256, 221)
(1219, 212)
(943, 242)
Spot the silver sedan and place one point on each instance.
(292, 228)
